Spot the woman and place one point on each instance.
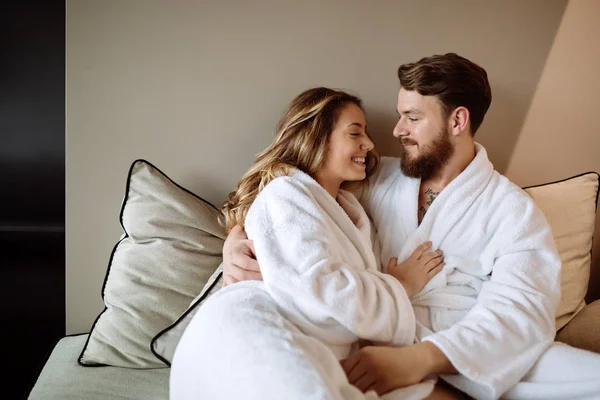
(323, 289)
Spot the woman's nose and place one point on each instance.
(368, 144)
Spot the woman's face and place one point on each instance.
(347, 148)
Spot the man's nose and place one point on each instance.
(399, 129)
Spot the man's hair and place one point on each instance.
(454, 80)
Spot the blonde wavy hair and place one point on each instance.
(301, 141)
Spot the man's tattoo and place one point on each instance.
(432, 196)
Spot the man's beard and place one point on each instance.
(432, 157)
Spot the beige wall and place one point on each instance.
(561, 134)
(196, 87)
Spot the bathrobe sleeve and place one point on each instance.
(295, 243)
(512, 324)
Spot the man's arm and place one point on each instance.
(386, 368)
(436, 360)
(510, 326)
(239, 260)
(512, 322)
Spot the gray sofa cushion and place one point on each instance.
(63, 378)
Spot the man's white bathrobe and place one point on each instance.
(322, 291)
(491, 310)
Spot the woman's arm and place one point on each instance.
(312, 280)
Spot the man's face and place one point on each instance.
(424, 133)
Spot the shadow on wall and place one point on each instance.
(499, 132)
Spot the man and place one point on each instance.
(486, 322)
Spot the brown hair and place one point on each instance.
(301, 141)
(454, 80)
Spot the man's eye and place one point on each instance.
(355, 134)
(413, 119)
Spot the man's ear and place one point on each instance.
(459, 120)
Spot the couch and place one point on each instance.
(172, 239)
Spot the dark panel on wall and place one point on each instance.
(32, 184)
(32, 110)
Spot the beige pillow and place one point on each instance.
(164, 344)
(570, 208)
(172, 244)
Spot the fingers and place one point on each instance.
(421, 249)
(350, 363)
(379, 388)
(250, 244)
(244, 261)
(228, 280)
(357, 373)
(365, 382)
(392, 263)
(241, 268)
(435, 262)
(236, 274)
(432, 256)
(435, 271)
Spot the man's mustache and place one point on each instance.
(408, 142)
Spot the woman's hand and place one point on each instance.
(418, 269)
(239, 260)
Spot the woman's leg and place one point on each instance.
(238, 345)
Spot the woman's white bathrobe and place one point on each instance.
(322, 291)
(491, 310)
(317, 261)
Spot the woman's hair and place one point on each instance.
(301, 141)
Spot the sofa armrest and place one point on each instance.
(583, 331)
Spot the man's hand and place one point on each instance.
(383, 368)
(239, 260)
(387, 368)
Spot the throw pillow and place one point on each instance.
(172, 244)
(164, 344)
(570, 208)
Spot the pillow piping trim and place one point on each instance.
(125, 236)
(568, 179)
(181, 318)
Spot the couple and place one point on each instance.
(480, 316)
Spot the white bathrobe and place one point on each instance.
(322, 291)
(491, 310)
(318, 264)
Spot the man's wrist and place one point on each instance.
(436, 361)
